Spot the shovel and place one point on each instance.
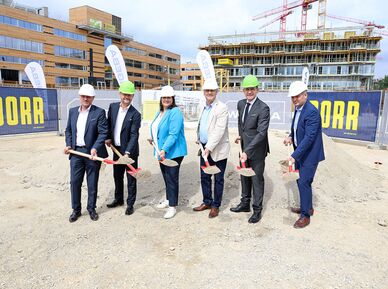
(243, 170)
(163, 160)
(291, 174)
(207, 168)
(106, 161)
(137, 173)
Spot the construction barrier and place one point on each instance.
(382, 135)
(69, 98)
(28, 110)
(351, 115)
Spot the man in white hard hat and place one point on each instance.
(123, 132)
(306, 137)
(86, 132)
(212, 134)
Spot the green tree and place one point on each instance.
(381, 83)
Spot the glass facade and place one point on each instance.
(134, 50)
(20, 60)
(69, 81)
(20, 44)
(70, 66)
(20, 23)
(70, 35)
(69, 52)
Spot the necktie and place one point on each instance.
(246, 112)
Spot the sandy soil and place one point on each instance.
(345, 245)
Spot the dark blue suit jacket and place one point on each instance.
(129, 137)
(96, 130)
(309, 137)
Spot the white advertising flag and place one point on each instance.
(206, 65)
(117, 63)
(305, 75)
(35, 74)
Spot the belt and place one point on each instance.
(80, 147)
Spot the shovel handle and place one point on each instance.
(291, 166)
(86, 155)
(158, 151)
(116, 151)
(203, 154)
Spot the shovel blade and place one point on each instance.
(210, 170)
(246, 172)
(124, 160)
(169, 163)
(290, 176)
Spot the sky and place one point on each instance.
(182, 26)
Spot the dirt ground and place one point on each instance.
(345, 246)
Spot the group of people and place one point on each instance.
(89, 131)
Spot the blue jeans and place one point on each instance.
(206, 183)
(171, 180)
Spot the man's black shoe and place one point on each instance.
(93, 215)
(74, 216)
(241, 208)
(256, 216)
(115, 203)
(129, 211)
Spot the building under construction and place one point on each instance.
(337, 58)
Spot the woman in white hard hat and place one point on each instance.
(167, 132)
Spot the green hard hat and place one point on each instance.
(127, 87)
(250, 81)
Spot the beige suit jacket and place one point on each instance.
(218, 135)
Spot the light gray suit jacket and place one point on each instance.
(218, 135)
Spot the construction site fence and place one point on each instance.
(357, 115)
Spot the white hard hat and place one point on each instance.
(166, 91)
(296, 88)
(87, 89)
(210, 84)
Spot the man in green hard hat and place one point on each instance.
(253, 122)
(124, 123)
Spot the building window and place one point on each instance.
(133, 63)
(134, 50)
(20, 44)
(155, 55)
(20, 23)
(107, 42)
(70, 66)
(21, 60)
(69, 52)
(70, 35)
(69, 81)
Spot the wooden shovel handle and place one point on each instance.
(203, 154)
(116, 151)
(85, 155)
(157, 151)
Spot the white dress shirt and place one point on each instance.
(250, 107)
(119, 124)
(81, 126)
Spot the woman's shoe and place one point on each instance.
(171, 212)
(162, 205)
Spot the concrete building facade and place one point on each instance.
(336, 62)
